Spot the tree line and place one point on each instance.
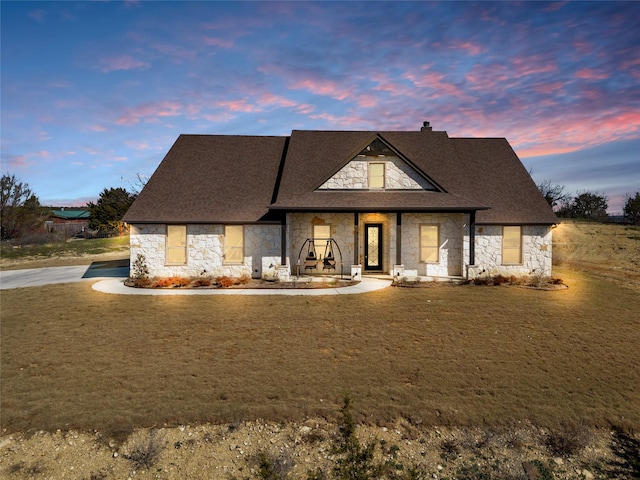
(585, 204)
(21, 213)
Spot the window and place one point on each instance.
(376, 175)
(176, 244)
(512, 245)
(233, 244)
(321, 234)
(429, 243)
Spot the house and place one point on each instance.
(340, 202)
(68, 221)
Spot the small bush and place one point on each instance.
(224, 281)
(500, 279)
(273, 468)
(450, 448)
(202, 282)
(179, 281)
(140, 268)
(568, 440)
(145, 454)
(244, 279)
(139, 282)
(161, 283)
(170, 282)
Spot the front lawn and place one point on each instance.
(448, 355)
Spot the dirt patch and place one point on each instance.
(291, 450)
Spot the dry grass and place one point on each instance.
(77, 252)
(75, 358)
(611, 252)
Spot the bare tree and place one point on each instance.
(554, 194)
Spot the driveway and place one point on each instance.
(34, 277)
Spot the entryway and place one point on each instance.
(373, 246)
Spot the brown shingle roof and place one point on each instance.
(210, 178)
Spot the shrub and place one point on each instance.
(569, 439)
(139, 282)
(202, 282)
(179, 281)
(146, 453)
(140, 268)
(224, 281)
(161, 283)
(244, 279)
(272, 468)
(355, 462)
(500, 279)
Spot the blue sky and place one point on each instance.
(95, 93)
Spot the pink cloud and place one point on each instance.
(241, 105)
(434, 81)
(471, 48)
(590, 74)
(123, 62)
(217, 42)
(488, 77)
(571, 133)
(531, 65)
(98, 128)
(271, 99)
(552, 7)
(18, 162)
(149, 112)
(327, 88)
(548, 87)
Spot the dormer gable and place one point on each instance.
(378, 167)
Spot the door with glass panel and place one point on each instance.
(373, 246)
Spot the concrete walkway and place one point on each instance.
(116, 286)
(111, 277)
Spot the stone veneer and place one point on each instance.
(355, 175)
(205, 243)
(300, 227)
(451, 238)
(536, 252)
(262, 246)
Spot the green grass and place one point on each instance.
(450, 355)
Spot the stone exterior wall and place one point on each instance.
(262, 243)
(355, 175)
(300, 227)
(451, 242)
(205, 249)
(536, 252)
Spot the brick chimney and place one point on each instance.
(426, 127)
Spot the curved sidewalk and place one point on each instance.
(116, 286)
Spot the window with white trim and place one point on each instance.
(176, 245)
(511, 245)
(429, 243)
(233, 244)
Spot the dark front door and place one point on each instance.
(373, 246)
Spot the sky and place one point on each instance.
(93, 94)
